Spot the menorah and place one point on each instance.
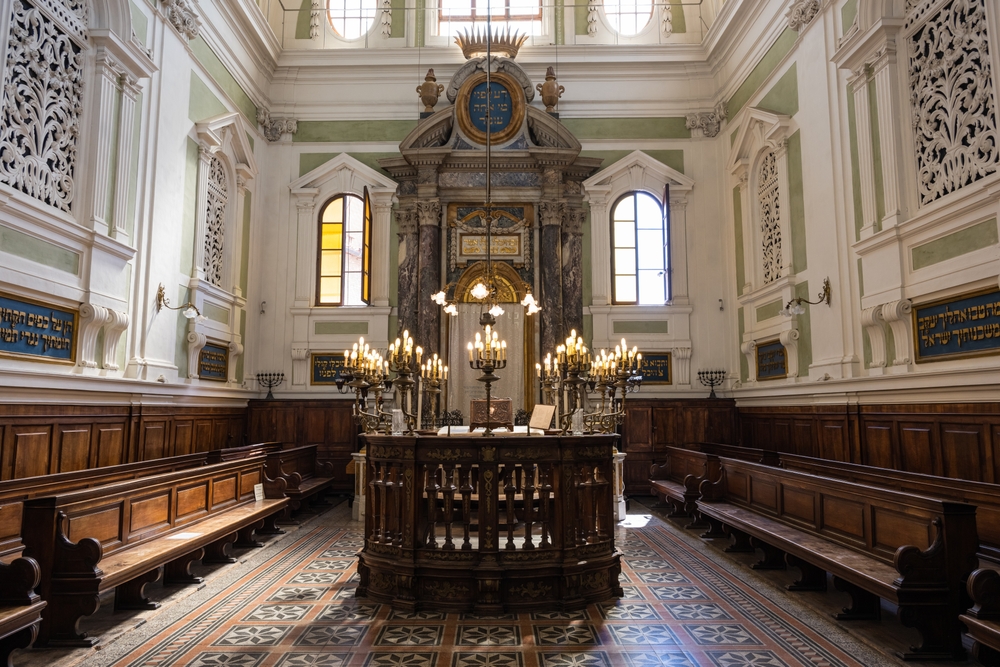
(488, 355)
(712, 379)
(270, 381)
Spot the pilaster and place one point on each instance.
(678, 270)
(110, 70)
(126, 123)
(866, 160)
(205, 153)
(381, 211)
(884, 71)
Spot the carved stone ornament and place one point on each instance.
(666, 20)
(551, 91)
(952, 98)
(315, 16)
(386, 19)
(429, 91)
(801, 13)
(274, 127)
(42, 105)
(215, 221)
(592, 16)
(770, 229)
(709, 122)
(182, 16)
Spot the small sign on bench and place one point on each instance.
(258, 492)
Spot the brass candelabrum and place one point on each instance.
(404, 360)
(488, 354)
(368, 373)
(434, 381)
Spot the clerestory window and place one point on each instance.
(640, 260)
(351, 19)
(455, 16)
(344, 263)
(628, 17)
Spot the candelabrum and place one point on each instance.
(368, 372)
(712, 379)
(614, 376)
(434, 382)
(404, 360)
(488, 354)
(269, 381)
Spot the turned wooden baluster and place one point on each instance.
(599, 492)
(586, 521)
(378, 501)
(396, 475)
(510, 490)
(467, 488)
(544, 491)
(431, 488)
(449, 502)
(528, 497)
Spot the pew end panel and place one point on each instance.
(20, 606)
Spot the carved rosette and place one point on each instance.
(42, 105)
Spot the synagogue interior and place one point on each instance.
(499, 333)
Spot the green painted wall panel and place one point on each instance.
(640, 327)
(783, 97)
(398, 26)
(140, 24)
(741, 326)
(672, 158)
(677, 16)
(190, 204)
(852, 124)
(224, 79)
(580, 17)
(133, 173)
(762, 71)
(861, 278)
(976, 237)
(302, 20)
(804, 325)
(202, 102)
(670, 127)
(215, 313)
(560, 22)
(245, 250)
(796, 204)
(418, 27)
(331, 328)
(769, 310)
(243, 338)
(41, 252)
(741, 276)
(848, 12)
(109, 194)
(309, 161)
(338, 131)
(876, 155)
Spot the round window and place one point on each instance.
(628, 17)
(351, 19)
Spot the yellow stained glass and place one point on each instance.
(330, 263)
(334, 211)
(329, 290)
(332, 237)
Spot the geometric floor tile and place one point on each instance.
(335, 635)
(579, 615)
(651, 578)
(395, 615)
(630, 612)
(714, 635)
(698, 611)
(488, 635)
(279, 612)
(326, 564)
(646, 564)
(746, 659)
(491, 659)
(677, 593)
(410, 635)
(588, 659)
(340, 553)
(253, 635)
(643, 635)
(228, 659)
(658, 659)
(381, 659)
(631, 593)
(314, 660)
(315, 578)
(298, 593)
(349, 612)
(566, 635)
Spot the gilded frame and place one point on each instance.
(48, 360)
(937, 302)
(517, 108)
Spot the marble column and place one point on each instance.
(572, 270)
(428, 329)
(550, 270)
(406, 311)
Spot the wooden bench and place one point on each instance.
(982, 621)
(14, 492)
(118, 536)
(765, 456)
(677, 481)
(986, 497)
(912, 550)
(20, 607)
(243, 452)
(305, 477)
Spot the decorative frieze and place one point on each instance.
(801, 13)
(952, 96)
(708, 122)
(182, 17)
(274, 127)
(42, 105)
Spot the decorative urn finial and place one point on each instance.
(429, 91)
(551, 91)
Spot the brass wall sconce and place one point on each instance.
(190, 311)
(795, 307)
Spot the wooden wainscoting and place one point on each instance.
(958, 440)
(47, 439)
(325, 423)
(653, 425)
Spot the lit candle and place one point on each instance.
(470, 352)
(538, 369)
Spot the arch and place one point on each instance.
(510, 286)
(871, 12)
(113, 15)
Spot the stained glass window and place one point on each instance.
(640, 253)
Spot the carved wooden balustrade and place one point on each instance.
(489, 524)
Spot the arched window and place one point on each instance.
(351, 19)
(524, 16)
(628, 17)
(640, 262)
(345, 259)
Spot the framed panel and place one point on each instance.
(213, 362)
(967, 325)
(772, 361)
(38, 331)
(326, 369)
(656, 368)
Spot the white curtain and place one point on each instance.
(462, 383)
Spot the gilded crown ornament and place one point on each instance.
(502, 43)
(429, 91)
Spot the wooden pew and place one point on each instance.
(912, 550)
(243, 452)
(306, 478)
(118, 536)
(764, 456)
(986, 497)
(983, 620)
(677, 481)
(20, 607)
(14, 492)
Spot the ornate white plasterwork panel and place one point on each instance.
(954, 104)
(42, 104)
(215, 228)
(770, 227)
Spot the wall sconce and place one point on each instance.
(795, 307)
(190, 311)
